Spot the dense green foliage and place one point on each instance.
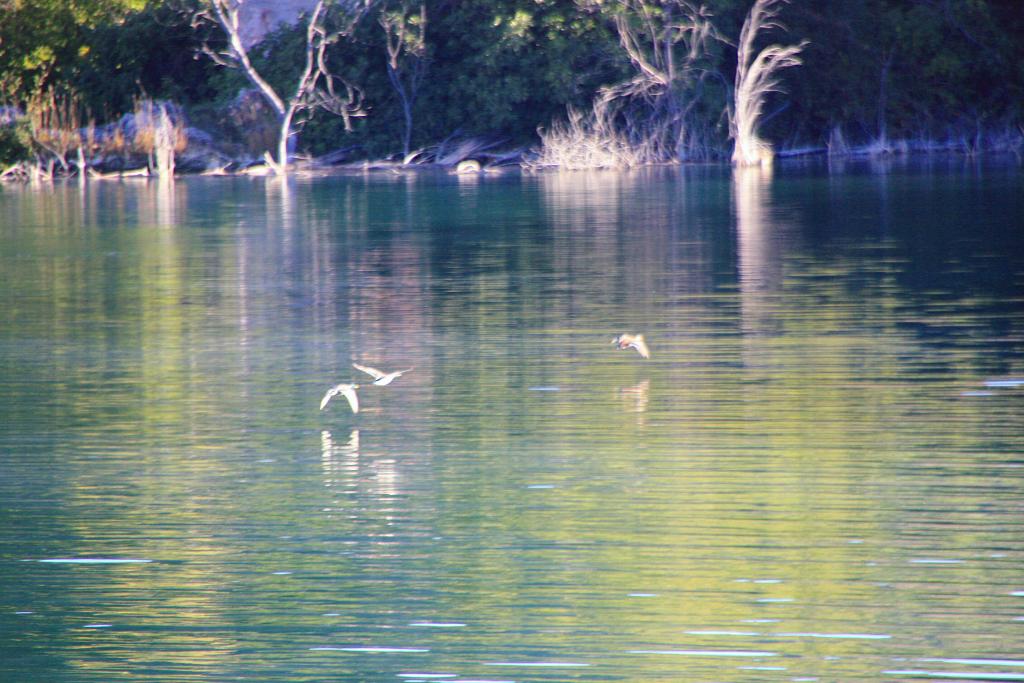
(14, 143)
(873, 69)
(910, 68)
(152, 53)
(499, 68)
(107, 52)
(44, 41)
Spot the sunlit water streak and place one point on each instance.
(818, 475)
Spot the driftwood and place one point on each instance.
(334, 157)
(116, 175)
(256, 170)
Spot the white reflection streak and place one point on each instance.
(584, 200)
(750, 186)
(242, 258)
(760, 268)
(346, 470)
(327, 457)
(282, 188)
(468, 179)
(387, 478)
(584, 206)
(165, 207)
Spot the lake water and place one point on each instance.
(817, 476)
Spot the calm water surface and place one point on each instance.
(818, 476)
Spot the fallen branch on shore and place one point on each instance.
(117, 175)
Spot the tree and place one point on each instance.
(669, 46)
(315, 86)
(150, 54)
(501, 67)
(756, 76)
(405, 41)
(40, 39)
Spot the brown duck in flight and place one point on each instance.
(632, 341)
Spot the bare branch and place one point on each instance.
(406, 48)
(668, 43)
(225, 13)
(308, 93)
(756, 76)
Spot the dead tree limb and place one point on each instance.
(756, 76)
(406, 45)
(315, 86)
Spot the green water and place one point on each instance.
(818, 475)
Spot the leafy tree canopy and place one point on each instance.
(506, 67)
(42, 40)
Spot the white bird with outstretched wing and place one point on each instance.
(381, 379)
(346, 390)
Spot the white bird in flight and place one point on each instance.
(381, 379)
(346, 390)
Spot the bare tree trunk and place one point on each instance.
(405, 36)
(407, 133)
(227, 15)
(284, 140)
(81, 162)
(164, 143)
(883, 82)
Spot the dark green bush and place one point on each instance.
(153, 54)
(14, 143)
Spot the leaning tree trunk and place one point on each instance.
(756, 76)
(283, 139)
(164, 142)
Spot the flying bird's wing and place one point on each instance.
(346, 390)
(372, 372)
(349, 392)
(331, 393)
(641, 346)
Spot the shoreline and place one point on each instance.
(25, 173)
